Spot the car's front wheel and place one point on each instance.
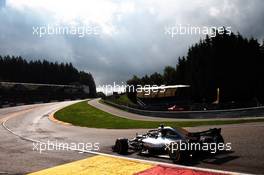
(121, 146)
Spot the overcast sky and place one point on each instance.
(131, 38)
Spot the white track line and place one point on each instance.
(123, 157)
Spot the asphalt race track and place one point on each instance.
(19, 156)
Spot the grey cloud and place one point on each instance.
(139, 46)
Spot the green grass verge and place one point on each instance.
(123, 100)
(83, 114)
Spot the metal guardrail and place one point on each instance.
(226, 113)
(35, 84)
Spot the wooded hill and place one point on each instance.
(233, 63)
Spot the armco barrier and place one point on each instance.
(227, 113)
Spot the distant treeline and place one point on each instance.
(230, 62)
(17, 69)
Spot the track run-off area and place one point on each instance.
(25, 128)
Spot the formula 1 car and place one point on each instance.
(168, 141)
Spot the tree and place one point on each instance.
(156, 79)
(227, 61)
(169, 75)
(131, 89)
(17, 69)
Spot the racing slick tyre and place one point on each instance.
(174, 153)
(121, 146)
(218, 140)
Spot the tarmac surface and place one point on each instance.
(24, 124)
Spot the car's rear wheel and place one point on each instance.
(175, 154)
(218, 140)
(121, 146)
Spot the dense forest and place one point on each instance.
(232, 63)
(17, 69)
